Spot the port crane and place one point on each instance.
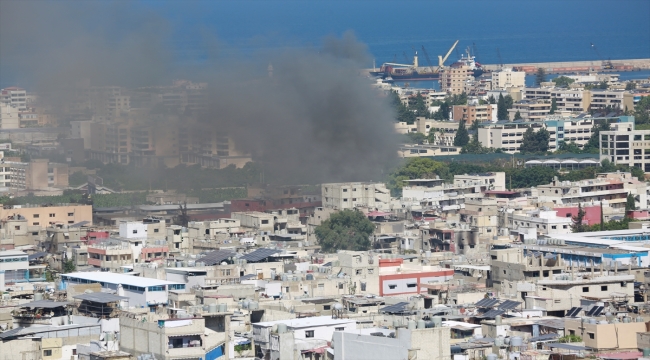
(441, 60)
(607, 65)
(500, 60)
(426, 56)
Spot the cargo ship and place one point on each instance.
(414, 72)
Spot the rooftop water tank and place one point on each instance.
(411, 325)
(646, 352)
(497, 320)
(516, 341)
(437, 321)
(38, 296)
(223, 308)
(499, 341)
(421, 324)
(253, 305)
(282, 328)
(213, 308)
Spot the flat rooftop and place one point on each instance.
(307, 322)
(113, 278)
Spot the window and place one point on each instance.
(155, 230)
(176, 286)
(585, 289)
(327, 307)
(603, 288)
(47, 352)
(309, 333)
(371, 270)
(135, 231)
(16, 227)
(36, 216)
(156, 288)
(340, 286)
(70, 214)
(264, 222)
(591, 335)
(572, 332)
(52, 215)
(392, 287)
(359, 271)
(411, 285)
(339, 329)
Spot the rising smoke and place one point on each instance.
(312, 118)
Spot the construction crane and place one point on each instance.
(607, 65)
(500, 60)
(441, 60)
(426, 56)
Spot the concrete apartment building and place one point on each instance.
(472, 113)
(530, 110)
(507, 78)
(509, 135)
(578, 100)
(343, 196)
(626, 146)
(453, 80)
(415, 342)
(15, 97)
(610, 188)
(168, 339)
(44, 216)
(9, 117)
(406, 151)
(601, 336)
(38, 174)
(512, 265)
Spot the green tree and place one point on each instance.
(642, 111)
(629, 203)
(462, 136)
(416, 137)
(517, 116)
(492, 100)
(577, 225)
(475, 147)
(77, 178)
(420, 107)
(502, 110)
(593, 145)
(509, 101)
(69, 266)
(603, 85)
(553, 106)
(631, 85)
(443, 111)
(415, 168)
(535, 142)
(345, 230)
(568, 147)
(563, 81)
(540, 76)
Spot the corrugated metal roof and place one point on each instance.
(45, 304)
(216, 257)
(260, 254)
(566, 346)
(100, 297)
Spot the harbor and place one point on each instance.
(564, 67)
